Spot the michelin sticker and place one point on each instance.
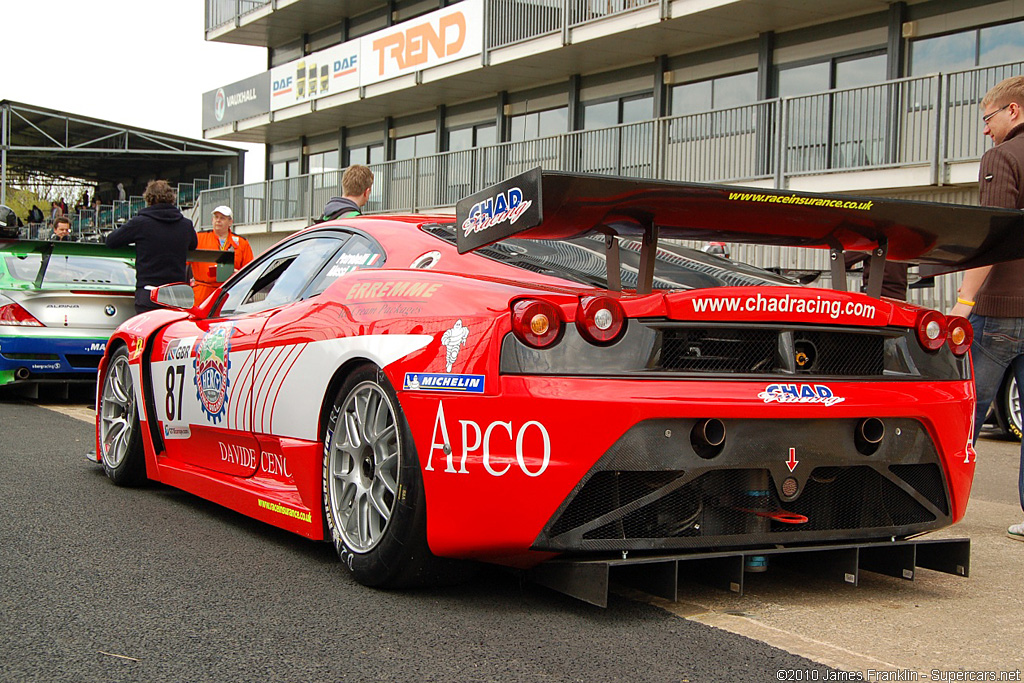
(452, 340)
(417, 381)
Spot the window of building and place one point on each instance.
(617, 151)
(636, 109)
(967, 49)
(324, 161)
(366, 154)
(829, 129)
(481, 135)
(1000, 44)
(539, 124)
(859, 71)
(414, 146)
(805, 80)
(715, 93)
(287, 189)
(836, 72)
(607, 113)
(460, 139)
(284, 169)
(715, 108)
(600, 114)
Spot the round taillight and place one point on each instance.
(931, 330)
(960, 334)
(536, 323)
(600, 319)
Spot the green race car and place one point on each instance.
(59, 302)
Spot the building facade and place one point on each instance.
(852, 96)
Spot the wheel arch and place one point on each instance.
(333, 386)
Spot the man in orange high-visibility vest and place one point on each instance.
(220, 239)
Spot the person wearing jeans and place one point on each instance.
(998, 343)
(993, 296)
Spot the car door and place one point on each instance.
(204, 371)
(291, 377)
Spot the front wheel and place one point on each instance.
(120, 441)
(373, 489)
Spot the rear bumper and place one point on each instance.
(609, 466)
(654, 491)
(32, 357)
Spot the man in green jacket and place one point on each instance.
(356, 185)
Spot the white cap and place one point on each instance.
(223, 210)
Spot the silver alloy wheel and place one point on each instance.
(363, 467)
(117, 411)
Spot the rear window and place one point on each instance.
(584, 260)
(71, 270)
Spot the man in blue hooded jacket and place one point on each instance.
(162, 237)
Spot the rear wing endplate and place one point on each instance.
(551, 205)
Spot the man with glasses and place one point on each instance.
(993, 296)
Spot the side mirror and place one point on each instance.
(177, 296)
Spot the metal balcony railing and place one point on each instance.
(509, 21)
(932, 121)
(221, 12)
(926, 121)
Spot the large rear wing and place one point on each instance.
(551, 205)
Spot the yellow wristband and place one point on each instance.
(964, 302)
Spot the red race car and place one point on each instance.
(546, 383)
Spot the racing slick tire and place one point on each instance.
(373, 495)
(1007, 408)
(120, 436)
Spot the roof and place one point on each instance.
(65, 145)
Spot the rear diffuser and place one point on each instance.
(589, 579)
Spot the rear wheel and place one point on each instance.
(120, 441)
(1008, 408)
(373, 489)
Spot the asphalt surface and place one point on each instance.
(100, 583)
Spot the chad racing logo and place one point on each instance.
(799, 393)
(212, 364)
(508, 206)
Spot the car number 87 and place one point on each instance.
(174, 385)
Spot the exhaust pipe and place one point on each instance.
(21, 373)
(868, 435)
(708, 437)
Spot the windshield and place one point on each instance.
(582, 259)
(71, 270)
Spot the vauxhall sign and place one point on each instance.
(240, 100)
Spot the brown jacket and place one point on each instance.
(1001, 181)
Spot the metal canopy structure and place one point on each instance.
(35, 141)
